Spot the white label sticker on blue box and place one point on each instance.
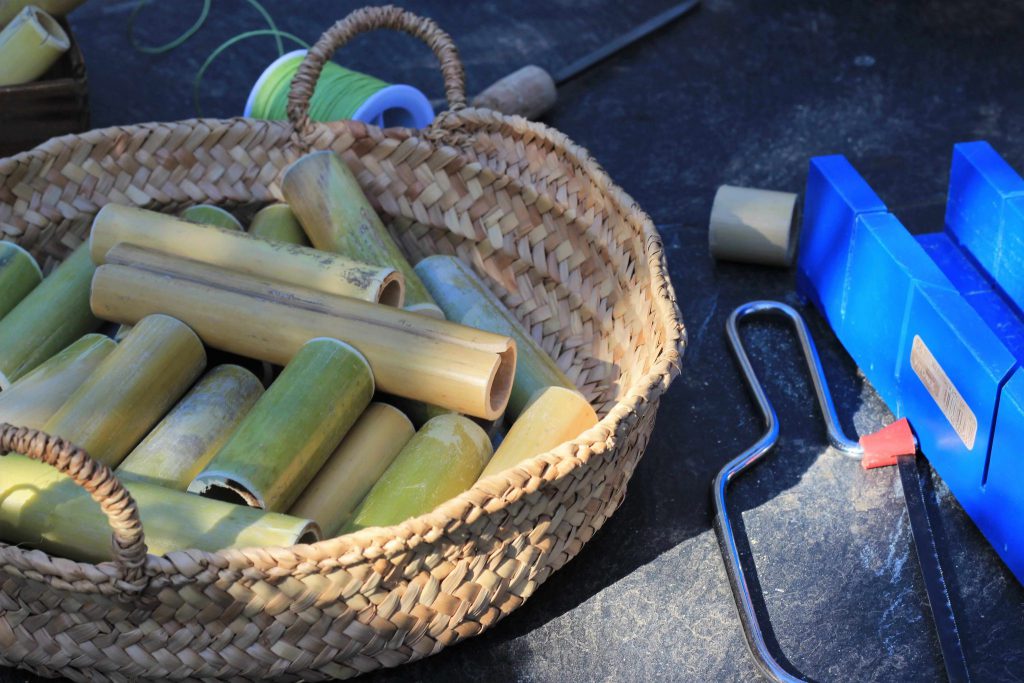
(944, 392)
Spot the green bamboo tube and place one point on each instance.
(354, 467)
(554, 415)
(196, 428)
(435, 361)
(56, 8)
(466, 300)
(42, 508)
(244, 253)
(277, 222)
(29, 45)
(131, 389)
(34, 398)
(208, 214)
(337, 217)
(19, 275)
(292, 430)
(53, 315)
(441, 461)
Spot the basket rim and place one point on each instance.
(487, 496)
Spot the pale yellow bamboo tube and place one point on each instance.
(278, 222)
(19, 275)
(456, 367)
(131, 389)
(34, 398)
(56, 8)
(42, 508)
(291, 431)
(337, 217)
(208, 214)
(553, 416)
(244, 253)
(441, 461)
(53, 315)
(354, 467)
(29, 45)
(196, 428)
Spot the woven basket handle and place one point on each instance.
(128, 543)
(362, 21)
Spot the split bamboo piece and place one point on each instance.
(456, 367)
(34, 398)
(244, 253)
(53, 315)
(56, 8)
(131, 389)
(196, 428)
(19, 275)
(441, 461)
(354, 467)
(29, 45)
(278, 222)
(292, 430)
(208, 214)
(337, 217)
(41, 507)
(553, 416)
(465, 299)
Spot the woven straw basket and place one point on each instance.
(562, 245)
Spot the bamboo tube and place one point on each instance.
(241, 252)
(131, 389)
(56, 8)
(41, 507)
(435, 361)
(208, 214)
(34, 398)
(196, 428)
(465, 299)
(292, 430)
(53, 315)
(337, 217)
(419, 413)
(19, 275)
(354, 467)
(554, 415)
(30, 45)
(441, 461)
(278, 222)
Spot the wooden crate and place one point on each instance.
(56, 104)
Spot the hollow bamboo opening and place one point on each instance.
(392, 291)
(49, 26)
(499, 386)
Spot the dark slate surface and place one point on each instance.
(742, 93)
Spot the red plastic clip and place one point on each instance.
(882, 448)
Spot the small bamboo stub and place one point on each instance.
(30, 45)
(278, 222)
(208, 214)
(19, 275)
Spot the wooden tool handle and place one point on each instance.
(528, 92)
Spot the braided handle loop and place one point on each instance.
(362, 21)
(128, 542)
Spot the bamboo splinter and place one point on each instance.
(19, 275)
(131, 389)
(430, 360)
(244, 253)
(337, 217)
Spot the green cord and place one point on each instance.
(166, 47)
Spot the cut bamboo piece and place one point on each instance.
(244, 253)
(57, 8)
(34, 398)
(354, 467)
(441, 461)
(195, 429)
(42, 508)
(53, 315)
(419, 413)
(29, 45)
(456, 367)
(131, 389)
(465, 299)
(337, 217)
(19, 275)
(208, 214)
(554, 416)
(292, 430)
(278, 222)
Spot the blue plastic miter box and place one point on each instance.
(935, 321)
